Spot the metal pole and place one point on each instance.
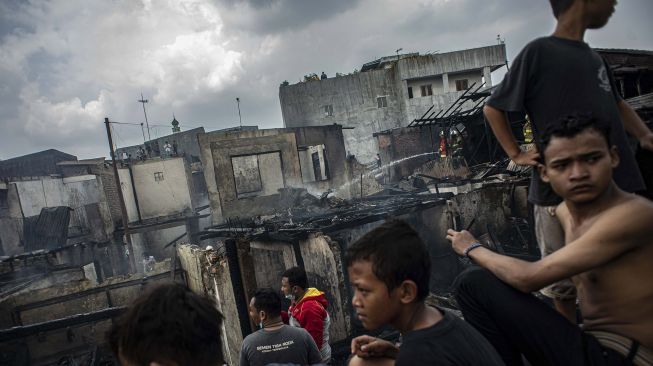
(143, 131)
(239, 117)
(143, 101)
(123, 209)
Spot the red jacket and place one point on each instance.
(311, 314)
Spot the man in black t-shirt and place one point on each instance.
(552, 77)
(389, 269)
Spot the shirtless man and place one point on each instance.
(608, 254)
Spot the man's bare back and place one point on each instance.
(617, 296)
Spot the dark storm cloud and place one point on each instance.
(274, 16)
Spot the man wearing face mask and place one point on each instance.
(308, 309)
(275, 342)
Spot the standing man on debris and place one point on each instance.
(608, 251)
(308, 308)
(275, 342)
(550, 78)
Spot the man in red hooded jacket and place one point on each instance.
(308, 308)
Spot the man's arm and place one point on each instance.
(603, 243)
(501, 129)
(635, 126)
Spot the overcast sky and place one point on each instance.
(65, 65)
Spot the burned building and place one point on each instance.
(245, 170)
(247, 254)
(387, 93)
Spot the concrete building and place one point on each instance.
(245, 170)
(387, 93)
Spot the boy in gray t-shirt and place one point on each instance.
(275, 342)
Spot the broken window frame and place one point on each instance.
(4, 198)
(410, 92)
(382, 101)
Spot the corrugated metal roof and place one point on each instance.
(48, 230)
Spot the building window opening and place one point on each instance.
(4, 198)
(313, 163)
(410, 92)
(158, 176)
(328, 110)
(461, 84)
(427, 90)
(381, 102)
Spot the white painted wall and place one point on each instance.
(166, 197)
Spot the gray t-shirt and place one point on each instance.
(284, 345)
(553, 77)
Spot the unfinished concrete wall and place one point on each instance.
(214, 281)
(162, 187)
(218, 151)
(353, 99)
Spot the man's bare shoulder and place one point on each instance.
(632, 212)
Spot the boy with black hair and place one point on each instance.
(608, 254)
(275, 342)
(550, 78)
(308, 308)
(389, 269)
(168, 326)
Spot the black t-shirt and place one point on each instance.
(449, 342)
(553, 77)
